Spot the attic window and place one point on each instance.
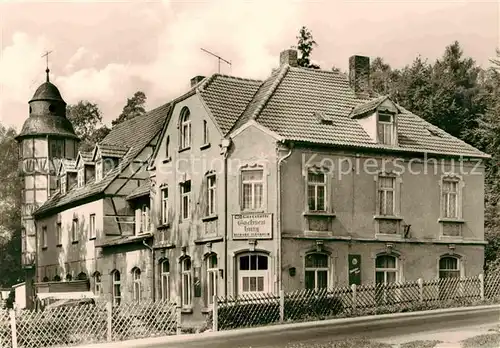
(386, 128)
(434, 132)
(321, 116)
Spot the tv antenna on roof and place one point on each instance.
(218, 57)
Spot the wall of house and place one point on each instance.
(71, 257)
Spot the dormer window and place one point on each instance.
(81, 176)
(98, 171)
(385, 128)
(63, 183)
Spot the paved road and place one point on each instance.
(380, 330)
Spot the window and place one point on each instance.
(97, 284)
(253, 273)
(186, 282)
(450, 198)
(205, 132)
(74, 230)
(185, 137)
(44, 236)
(58, 234)
(386, 269)
(63, 184)
(164, 205)
(144, 223)
(81, 176)
(386, 193)
(56, 148)
(316, 191)
(186, 200)
(165, 280)
(316, 271)
(98, 171)
(449, 267)
(167, 148)
(385, 129)
(92, 226)
(212, 272)
(211, 195)
(252, 189)
(116, 289)
(136, 279)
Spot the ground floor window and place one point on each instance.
(186, 282)
(136, 278)
(450, 286)
(253, 273)
(116, 288)
(386, 274)
(212, 272)
(316, 271)
(165, 280)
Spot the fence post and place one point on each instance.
(215, 315)
(481, 281)
(13, 328)
(353, 288)
(282, 306)
(178, 316)
(420, 289)
(109, 317)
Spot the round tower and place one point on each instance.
(47, 137)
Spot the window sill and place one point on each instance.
(163, 226)
(209, 218)
(166, 160)
(187, 310)
(319, 213)
(260, 211)
(92, 238)
(451, 238)
(185, 149)
(445, 220)
(387, 217)
(388, 236)
(74, 242)
(44, 248)
(59, 245)
(205, 146)
(207, 310)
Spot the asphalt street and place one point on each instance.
(377, 330)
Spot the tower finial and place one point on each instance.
(46, 55)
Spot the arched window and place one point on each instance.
(116, 288)
(316, 271)
(136, 279)
(386, 269)
(82, 276)
(165, 280)
(97, 284)
(212, 272)
(186, 283)
(69, 277)
(253, 273)
(185, 128)
(449, 267)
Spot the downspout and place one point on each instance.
(153, 289)
(278, 217)
(224, 151)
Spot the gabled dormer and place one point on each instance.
(85, 168)
(106, 157)
(66, 175)
(379, 118)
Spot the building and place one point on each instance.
(304, 180)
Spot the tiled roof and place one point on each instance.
(227, 97)
(135, 134)
(287, 106)
(141, 190)
(69, 165)
(86, 156)
(368, 106)
(112, 150)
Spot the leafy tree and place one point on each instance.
(305, 46)
(86, 117)
(133, 108)
(10, 210)
(383, 78)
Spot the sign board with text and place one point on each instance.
(253, 226)
(354, 269)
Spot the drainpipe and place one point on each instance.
(224, 151)
(153, 289)
(278, 216)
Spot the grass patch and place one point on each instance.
(354, 343)
(420, 344)
(482, 341)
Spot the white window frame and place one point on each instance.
(44, 236)
(74, 230)
(186, 198)
(186, 282)
(253, 184)
(58, 233)
(114, 285)
(325, 185)
(92, 230)
(382, 126)
(211, 194)
(185, 129)
(457, 270)
(63, 183)
(382, 193)
(458, 197)
(99, 170)
(136, 283)
(81, 176)
(242, 274)
(165, 280)
(144, 226)
(164, 205)
(97, 284)
(318, 269)
(388, 270)
(212, 278)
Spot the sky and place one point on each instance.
(105, 51)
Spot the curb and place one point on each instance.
(146, 342)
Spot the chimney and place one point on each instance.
(359, 75)
(289, 57)
(195, 80)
